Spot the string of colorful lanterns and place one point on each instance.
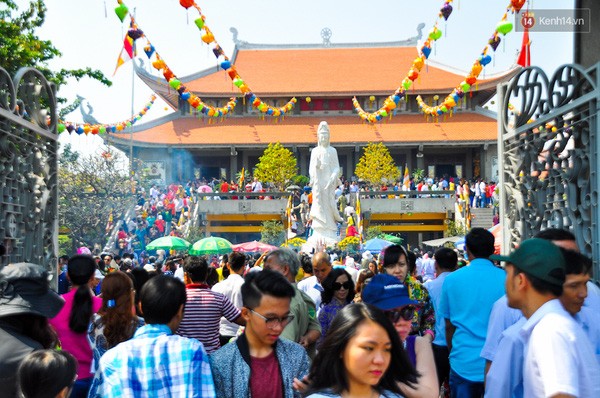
(86, 128)
(226, 64)
(503, 27)
(159, 64)
(391, 102)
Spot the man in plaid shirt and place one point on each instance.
(156, 362)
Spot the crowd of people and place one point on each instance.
(373, 327)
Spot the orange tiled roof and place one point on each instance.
(328, 71)
(252, 131)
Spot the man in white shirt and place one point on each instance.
(559, 360)
(312, 285)
(256, 185)
(232, 289)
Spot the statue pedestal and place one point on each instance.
(319, 238)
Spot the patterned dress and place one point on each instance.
(326, 315)
(424, 318)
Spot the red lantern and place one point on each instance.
(168, 74)
(517, 4)
(413, 74)
(471, 80)
(186, 3)
(232, 72)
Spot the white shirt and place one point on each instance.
(232, 289)
(179, 273)
(313, 288)
(558, 356)
(501, 318)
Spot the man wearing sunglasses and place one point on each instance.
(259, 363)
(387, 293)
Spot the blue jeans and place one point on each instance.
(463, 388)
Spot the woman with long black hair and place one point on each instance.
(361, 356)
(71, 323)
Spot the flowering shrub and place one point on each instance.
(295, 242)
(349, 244)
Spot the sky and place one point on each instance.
(88, 33)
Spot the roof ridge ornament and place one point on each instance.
(326, 35)
(238, 43)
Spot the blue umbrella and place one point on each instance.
(376, 245)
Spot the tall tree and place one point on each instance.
(277, 165)
(377, 165)
(21, 47)
(91, 189)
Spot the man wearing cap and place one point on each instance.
(468, 295)
(559, 360)
(26, 303)
(388, 294)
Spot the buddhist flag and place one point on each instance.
(406, 181)
(525, 55)
(242, 178)
(359, 220)
(126, 52)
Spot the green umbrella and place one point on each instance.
(211, 245)
(168, 243)
(392, 238)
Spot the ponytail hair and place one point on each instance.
(80, 269)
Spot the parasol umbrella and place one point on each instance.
(204, 189)
(211, 245)
(253, 247)
(376, 245)
(391, 238)
(293, 188)
(168, 243)
(496, 230)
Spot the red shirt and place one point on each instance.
(265, 379)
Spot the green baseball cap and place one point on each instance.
(538, 257)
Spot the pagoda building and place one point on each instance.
(324, 78)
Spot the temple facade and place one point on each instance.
(324, 78)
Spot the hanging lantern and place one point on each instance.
(121, 10)
(372, 98)
(504, 27)
(186, 3)
(308, 99)
(199, 22)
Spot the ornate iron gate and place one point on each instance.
(549, 145)
(28, 168)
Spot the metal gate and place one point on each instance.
(548, 148)
(28, 169)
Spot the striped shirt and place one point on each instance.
(202, 314)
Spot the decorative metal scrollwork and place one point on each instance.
(28, 168)
(550, 160)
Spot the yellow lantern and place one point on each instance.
(372, 98)
(308, 99)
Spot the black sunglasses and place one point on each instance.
(406, 313)
(338, 286)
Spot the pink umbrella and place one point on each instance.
(253, 247)
(204, 189)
